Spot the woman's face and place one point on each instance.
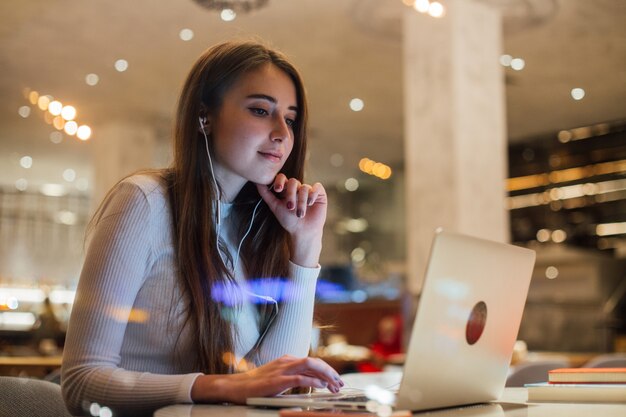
(253, 130)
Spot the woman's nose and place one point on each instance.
(280, 131)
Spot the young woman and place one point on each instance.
(166, 310)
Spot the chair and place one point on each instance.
(609, 360)
(533, 371)
(23, 397)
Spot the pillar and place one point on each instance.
(455, 130)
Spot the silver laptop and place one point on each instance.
(462, 340)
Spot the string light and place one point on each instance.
(55, 113)
(377, 169)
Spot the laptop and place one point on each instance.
(462, 340)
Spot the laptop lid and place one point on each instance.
(467, 321)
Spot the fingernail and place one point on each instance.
(310, 201)
(290, 205)
(300, 213)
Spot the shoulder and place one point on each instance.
(151, 186)
(140, 193)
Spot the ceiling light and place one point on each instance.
(21, 184)
(56, 137)
(121, 65)
(186, 34)
(351, 184)
(505, 60)
(228, 15)
(336, 160)
(26, 162)
(69, 175)
(24, 111)
(577, 93)
(92, 79)
(518, 64)
(356, 104)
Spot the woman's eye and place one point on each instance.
(259, 111)
(291, 123)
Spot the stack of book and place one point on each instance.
(594, 385)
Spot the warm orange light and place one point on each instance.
(33, 97)
(43, 102)
(58, 123)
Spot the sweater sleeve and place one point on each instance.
(118, 257)
(290, 333)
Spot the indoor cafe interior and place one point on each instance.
(504, 120)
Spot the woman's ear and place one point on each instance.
(203, 120)
(204, 125)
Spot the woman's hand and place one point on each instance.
(301, 211)
(267, 380)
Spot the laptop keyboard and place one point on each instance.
(354, 399)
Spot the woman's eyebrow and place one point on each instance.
(270, 99)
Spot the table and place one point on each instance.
(512, 404)
(34, 366)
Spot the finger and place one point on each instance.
(303, 381)
(291, 190)
(317, 190)
(268, 196)
(279, 182)
(316, 367)
(303, 196)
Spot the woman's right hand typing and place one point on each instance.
(266, 381)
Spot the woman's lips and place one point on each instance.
(272, 156)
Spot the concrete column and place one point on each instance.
(120, 148)
(455, 130)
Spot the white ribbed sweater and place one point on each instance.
(123, 348)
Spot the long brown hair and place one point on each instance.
(265, 253)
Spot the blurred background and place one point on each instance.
(503, 119)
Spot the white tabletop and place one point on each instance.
(512, 404)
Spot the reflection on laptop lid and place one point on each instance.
(467, 321)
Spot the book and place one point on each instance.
(581, 393)
(337, 413)
(587, 375)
